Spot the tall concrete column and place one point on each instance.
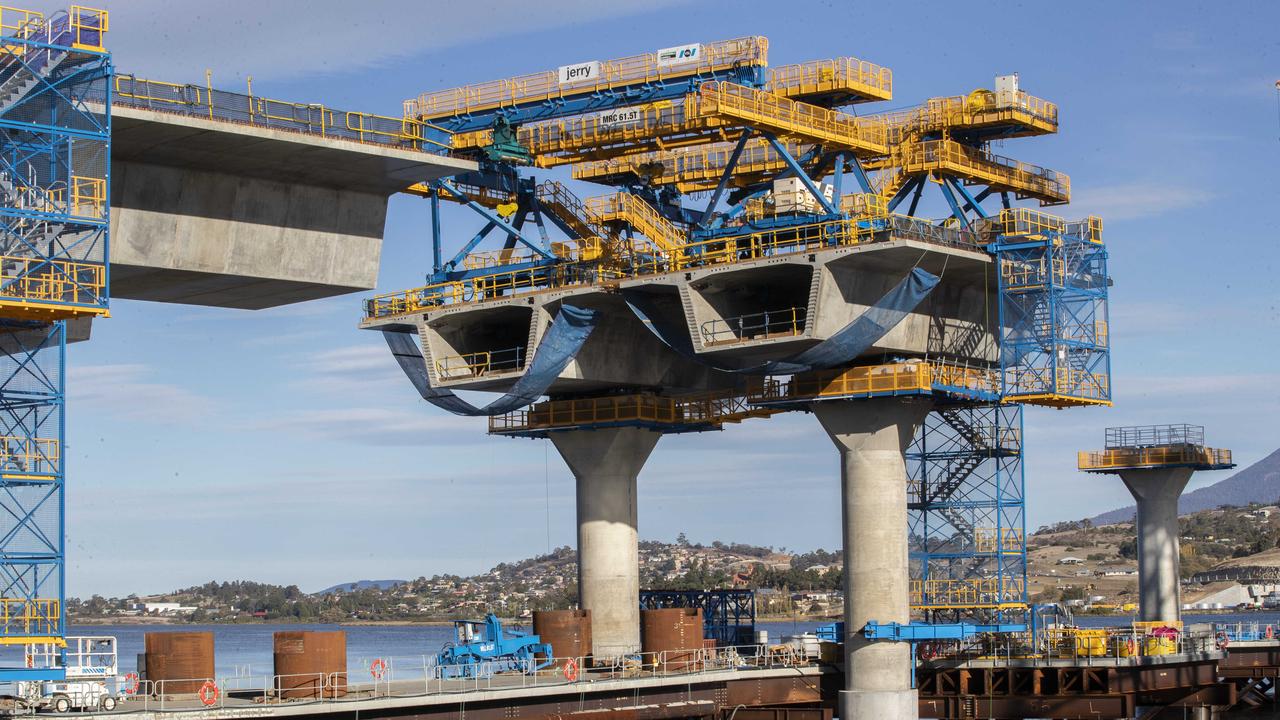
(606, 464)
(1156, 492)
(871, 436)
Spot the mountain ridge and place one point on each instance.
(1258, 483)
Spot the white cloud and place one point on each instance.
(128, 391)
(280, 39)
(1135, 200)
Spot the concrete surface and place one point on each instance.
(605, 464)
(210, 212)
(1156, 493)
(871, 436)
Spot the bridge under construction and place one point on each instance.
(760, 248)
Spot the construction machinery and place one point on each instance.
(482, 648)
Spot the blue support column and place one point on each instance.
(724, 178)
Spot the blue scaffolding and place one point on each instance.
(966, 500)
(1054, 345)
(55, 136)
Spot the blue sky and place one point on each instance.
(284, 446)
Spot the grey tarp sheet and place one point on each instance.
(843, 347)
(559, 345)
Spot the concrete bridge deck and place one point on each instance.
(217, 212)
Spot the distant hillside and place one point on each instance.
(363, 585)
(1258, 483)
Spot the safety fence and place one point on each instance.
(1025, 222)
(765, 110)
(702, 409)
(1027, 383)
(25, 620)
(79, 27)
(479, 364)
(420, 676)
(978, 165)
(1247, 632)
(787, 322)
(1169, 456)
(633, 210)
(51, 282)
(998, 540)
(843, 76)
(305, 118)
(1087, 647)
(771, 242)
(25, 455)
(873, 380)
(612, 74)
(695, 168)
(974, 593)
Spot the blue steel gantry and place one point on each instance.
(713, 158)
(55, 132)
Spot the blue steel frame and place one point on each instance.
(1053, 313)
(966, 481)
(55, 133)
(728, 616)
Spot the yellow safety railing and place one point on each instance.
(869, 380)
(847, 75)
(23, 620)
(488, 197)
(714, 408)
(1121, 458)
(250, 109)
(694, 168)
(998, 540)
(477, 364)
(88, 197)
(640, 215)
(1049, 186)
(1066, 386)
(743, 248)
(17, 22)
(1033, 223)
(541, 86)
(21, 456)
(974, 593)
(1016, 115)
(159, 91)
(88, 26)
(865, 204)
(46, 280)
(762, 109)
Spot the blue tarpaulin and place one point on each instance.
(559, 345)
(843, 347)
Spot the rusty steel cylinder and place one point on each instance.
(310, 664)
(671, 638)
(178, 663)
(568, 632)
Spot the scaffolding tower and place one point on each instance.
(54, 155)
(966, 515)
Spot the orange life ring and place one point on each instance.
(571, 670)
(131, 683)
(1132, 646)
(208, 693)
(378, 668)
(1271, 632)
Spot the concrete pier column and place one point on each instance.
(872, 436)
(606, 464)
(1156, 493)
